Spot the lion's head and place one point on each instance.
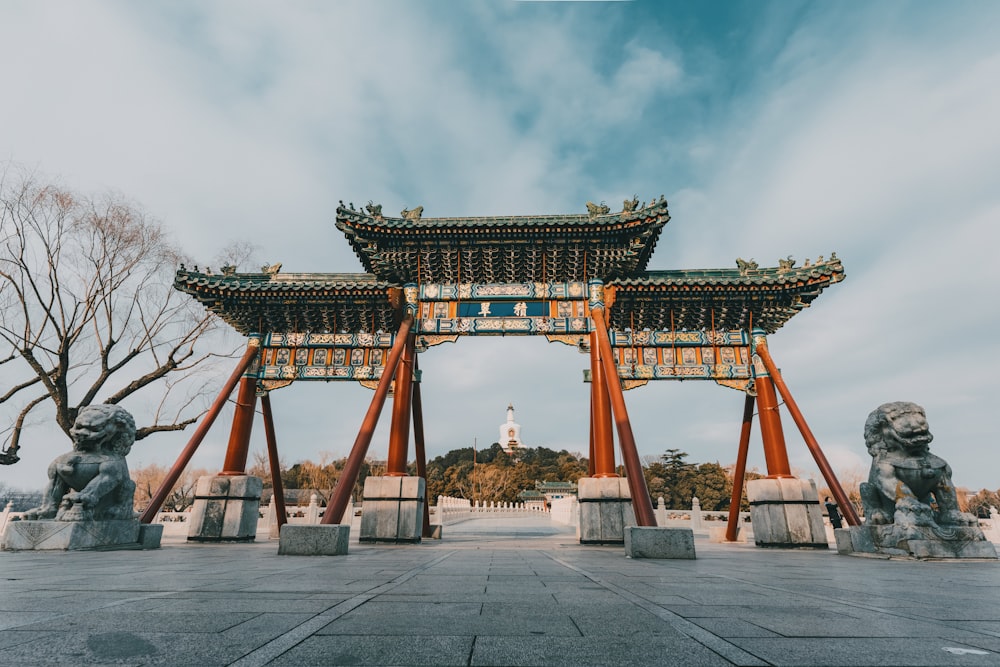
(899, 426)
(106, 427)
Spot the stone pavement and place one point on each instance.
(493, 592)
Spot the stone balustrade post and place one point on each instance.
(661, 512)
(312, 511)
(695, 514)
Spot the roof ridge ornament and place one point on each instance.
(746, 266)
(271, 269)
(412, 214)
(594, 210)
(630, 205)
(786, 265)
(374, 210)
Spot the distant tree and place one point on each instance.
(850, 480)
(148, 479)
(980, 503)
(711, 486)
(88, 312)
(670, 477)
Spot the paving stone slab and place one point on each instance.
(364, 650)
(846, 652)
(566, 652)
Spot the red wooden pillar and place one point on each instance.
(239, 436)
(641, 501)
(277, 487)
(741, 470)
(253, 349)
(348, 478)
(419, 449)
(824, 466)
(771, 433)
(590, 460)
(399, 434)
(604, 446)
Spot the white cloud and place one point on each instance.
(230, 120)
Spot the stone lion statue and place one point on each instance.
(91, 483)
(908, 486)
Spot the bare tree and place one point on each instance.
(148, 479)
(88, 312)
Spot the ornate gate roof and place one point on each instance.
(536, 250)
(511, 249)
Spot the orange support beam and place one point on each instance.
(253, 349)
(239, 436)
(349, 477)
(824, 466)
(732, 526)
(277, 487)
(399, 433)
(641, 502)
(604, 446)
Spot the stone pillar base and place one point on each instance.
(786, 513)
(313, 540)
(605, 509)
(50, 535)
(915, 542)
(226, 509)
(654, 542)
(393, 510)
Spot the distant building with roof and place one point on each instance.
(544, 493)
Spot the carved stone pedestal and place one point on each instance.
(393, 510)
(915, 542)
(80, 535)
(605, 509)
(226, 509)
(786, 513)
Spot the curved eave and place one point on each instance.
(720, 298)
(259, 303)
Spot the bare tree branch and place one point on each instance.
(87, 305)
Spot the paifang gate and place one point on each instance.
(576, 279)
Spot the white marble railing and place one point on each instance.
(452, 510)
(695, 518)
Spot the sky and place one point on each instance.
(772, 128)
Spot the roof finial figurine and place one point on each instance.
(271, 269)
(786, 264)
(594, 210)
(374, 210)
(746, 266)
(412, 214)
(630, 204)
(228, 269)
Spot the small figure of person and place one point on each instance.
(831, 509)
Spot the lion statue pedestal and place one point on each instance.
(88, 500)
(911, 508)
